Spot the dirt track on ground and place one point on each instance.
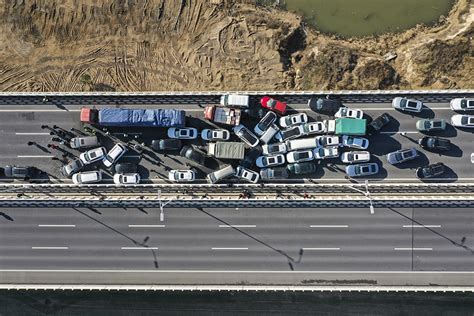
(155, 45)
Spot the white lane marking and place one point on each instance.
(238, 226)
(422, 226)
(51, 248)
(225, 248)
(240, 271)
(321, 248)
(398, 132)
(139, 248)
(34, 156)
(36, 110)
(46, 225)
(126, 133)
(32, 134)
(410, 249)
(357, 106)
(328, 226)
(140, 226)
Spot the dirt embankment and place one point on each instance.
(135, 45)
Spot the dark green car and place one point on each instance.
(301, 168)
(431, 125)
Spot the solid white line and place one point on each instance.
(31, 133)
(45, 225)
(237, 226)
(410, 249)
(398, 132)
(53, 248)
(422, 226)
(139, 248)
(146, 226)
(321, 248)
(36, 110)
(34, 156)
(237, 271)
(126, 133)
(223, 248)
(328, 226)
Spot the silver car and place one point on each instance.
(93, 155)
(270, 161)
(402, 155)
(408, 105)
(247, 174)
(361, 170)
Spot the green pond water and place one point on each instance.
(357, 18)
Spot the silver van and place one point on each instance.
(84, 142)
(220, 174)
(235, 100)
(303, 143)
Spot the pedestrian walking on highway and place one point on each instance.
(55, 126)
(30, 143)
(44, 126)
(55, 139)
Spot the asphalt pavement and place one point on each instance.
(21, 124)
(245, 239)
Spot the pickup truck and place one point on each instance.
(222, 115)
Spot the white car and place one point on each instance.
(355, 156)
(328, 141)
(325, 152)
(127, 178)
(215, 134)
(181, 175)
(290, 120)
(350, 113)
(360, 170)
(355, 142)
(314, 128)
(276, 148)
(182, 133)
(408, 105)
(87, 177)
(246, 174)
(299, 156)
(93, 155)
(462, 104)
(461, 120)
(114, 154)
(270, 161)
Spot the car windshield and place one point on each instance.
(427, 124)
(398, 157)
(464, 120)
(321, 152)
(350, 156)
(403, 103)
(271, 103)
(350, 140)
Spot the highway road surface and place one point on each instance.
(245, 239)
(21, 123)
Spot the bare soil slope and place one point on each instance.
(138, 45)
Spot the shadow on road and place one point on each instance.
(6, 216)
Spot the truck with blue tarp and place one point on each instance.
(134, 117)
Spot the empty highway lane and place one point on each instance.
(244, 239)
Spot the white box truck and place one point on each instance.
(236, 100)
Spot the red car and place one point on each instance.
(273, 105)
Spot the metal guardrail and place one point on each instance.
(190, 97)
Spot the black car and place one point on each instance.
(377, 124)
(325, 106)
(251, 157)
(166, 144)
(301, 168)
(126, 167)
(430, 171)
(19, 172)
(193, 154)
(290, 133)
(274, 173)
(434, 143)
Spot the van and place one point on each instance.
(84, 142)
(303, 143)
(87, 177)
(269, 133)
(235, 100)
(220, 174)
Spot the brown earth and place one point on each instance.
(155, 45)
